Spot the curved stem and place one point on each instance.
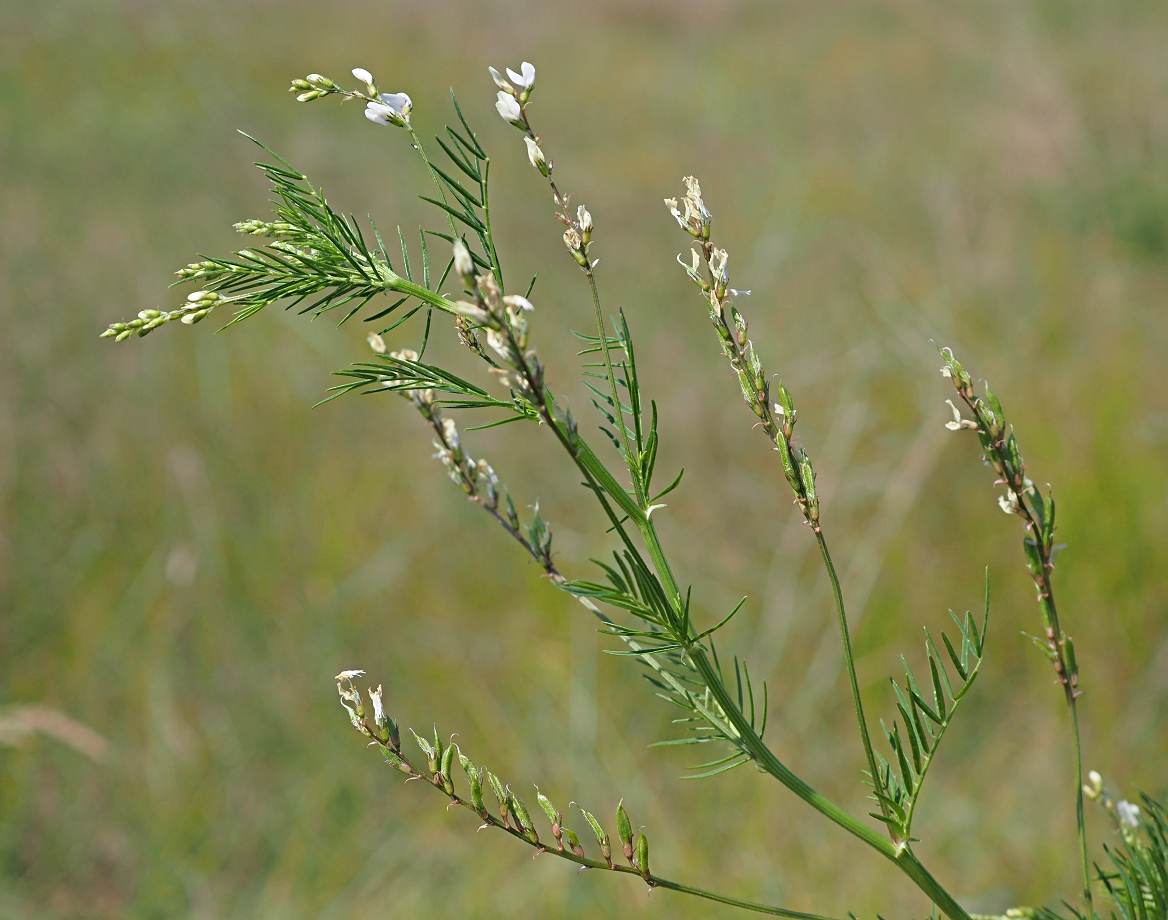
(849, 659)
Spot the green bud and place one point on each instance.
(624, 829)
(642, 862)
(299, 86)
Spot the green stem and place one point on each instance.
(849, 659)
(1079, 817)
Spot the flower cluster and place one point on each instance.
(380, 108)
(199, 305)
(707, 270)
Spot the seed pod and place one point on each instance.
(573, 841)
(624, 830)
(555, 818)
(497, 787)
(524, 819)
(396, 762)
(474, 776)
(601, 836)
(642, 862)
(1069, 648)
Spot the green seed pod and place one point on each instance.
(524, 819)
(1072, 663)
(624, 830)
(497, 787)
(642, 862)
(474, 776)
(807, 478)
(573, 841)
(549, 809)
(448, 760)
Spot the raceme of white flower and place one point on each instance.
(310, 253)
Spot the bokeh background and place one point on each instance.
(188, 553)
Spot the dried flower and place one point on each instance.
(349, 675)
(377, 343)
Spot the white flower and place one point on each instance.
(671, 203)
(377, 343)
(508, 107)
(406, 354)
(363, 75)
(518, 302)
(1009, 502)
(349, 675)
(1129, 814)
(499, 81)
(393, 109)
(463, 263)
(526, 79)
(583, 219)
(535, 155)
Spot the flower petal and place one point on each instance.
(399, 102)
(528, 71)
(362, 74)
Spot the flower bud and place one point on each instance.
(642, 862)
(463, 263)
(535, 155)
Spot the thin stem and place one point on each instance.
(1084, 864)
(653, 881)
(849, 659)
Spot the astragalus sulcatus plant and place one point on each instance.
(314, 259)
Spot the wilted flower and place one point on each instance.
(393, 109)
(509, 108)
(1010, 503)
(378, 708)
(696, 218)
(349, 675)
(377, 343)
(958, 422)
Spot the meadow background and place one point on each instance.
(188, 553)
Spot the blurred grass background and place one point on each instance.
(188, 554)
